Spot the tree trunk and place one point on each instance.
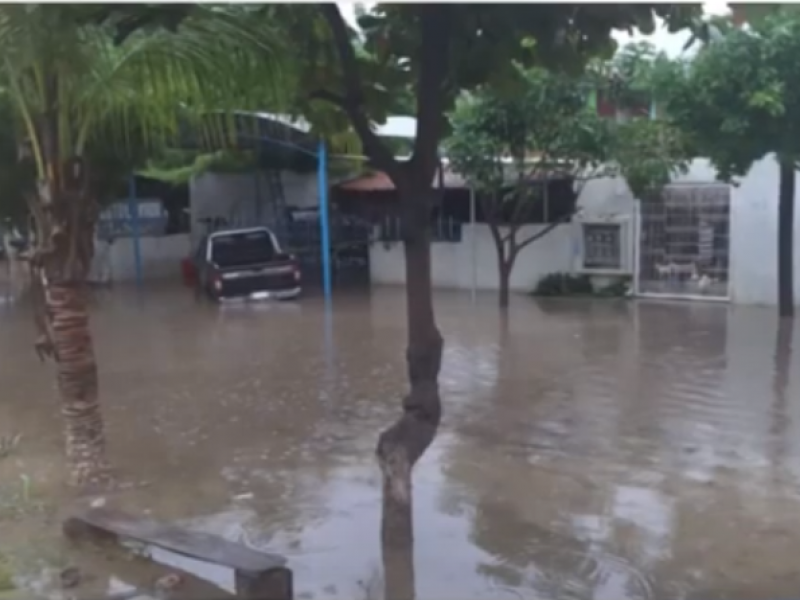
(504, 265)
(77, 382)
(786, 240)
(60, 265)
(402, 444)
(505, 262)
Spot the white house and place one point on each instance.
(706, 239)
(744, 266)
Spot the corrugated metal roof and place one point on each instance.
(401, 127)
(379, 181)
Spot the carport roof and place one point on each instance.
(278, 141)
(378, 181)
(283, 142)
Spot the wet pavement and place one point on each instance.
(590, 450)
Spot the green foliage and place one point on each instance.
(636, 76)
(490, 40)
(750, 12)
(135, 89)
(648, 154)
(739, 99)
(550, 120)
(17, 177)
(568, 284)
(547, 126)
(564, 284)
(180, 166)
(346, 80)
(6, 577)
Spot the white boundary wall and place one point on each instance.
(753, 239)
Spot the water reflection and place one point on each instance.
(589, 450)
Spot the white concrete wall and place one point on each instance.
(161, 258)
(753, 239)
(452, 264)
(606, 199)
(754, 206)
(220, 194)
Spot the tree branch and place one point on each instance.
(353, 101)
(490, 214)
(522, 205)
(564, 219)
(540, 234)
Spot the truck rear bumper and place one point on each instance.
(285, 294)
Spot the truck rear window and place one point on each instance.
(242, 249)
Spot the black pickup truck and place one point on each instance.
(236, 263)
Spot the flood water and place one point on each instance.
(589, 449)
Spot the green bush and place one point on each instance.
(567, 284)
(564, 284)
(618, 288)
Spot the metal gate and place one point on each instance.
(348, 251)
(298, 231)
(682, 243)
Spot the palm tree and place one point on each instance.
(71, 88)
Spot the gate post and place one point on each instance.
(637, 245)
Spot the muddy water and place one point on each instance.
(589, 450)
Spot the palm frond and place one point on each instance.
(147, 91)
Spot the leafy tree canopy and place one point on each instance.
(440, 51)
(505, 147)
(739, 98)
(548, 126)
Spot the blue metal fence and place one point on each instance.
(118, 220)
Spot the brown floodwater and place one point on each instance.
(590, 449)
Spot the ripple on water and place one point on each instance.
(583, 453)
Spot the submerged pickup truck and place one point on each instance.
(237, 263)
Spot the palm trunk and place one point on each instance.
(404, 442)
(786, 240)
(60, 266)
(77, 382)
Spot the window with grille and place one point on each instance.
(602, 246)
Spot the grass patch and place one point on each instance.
(6, 575)
(17, 499)
(9, 444)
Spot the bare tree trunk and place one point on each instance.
(404, 442)
(505, 262)
(504, 266)
(786, 239)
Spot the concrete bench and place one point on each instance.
(258, 575)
